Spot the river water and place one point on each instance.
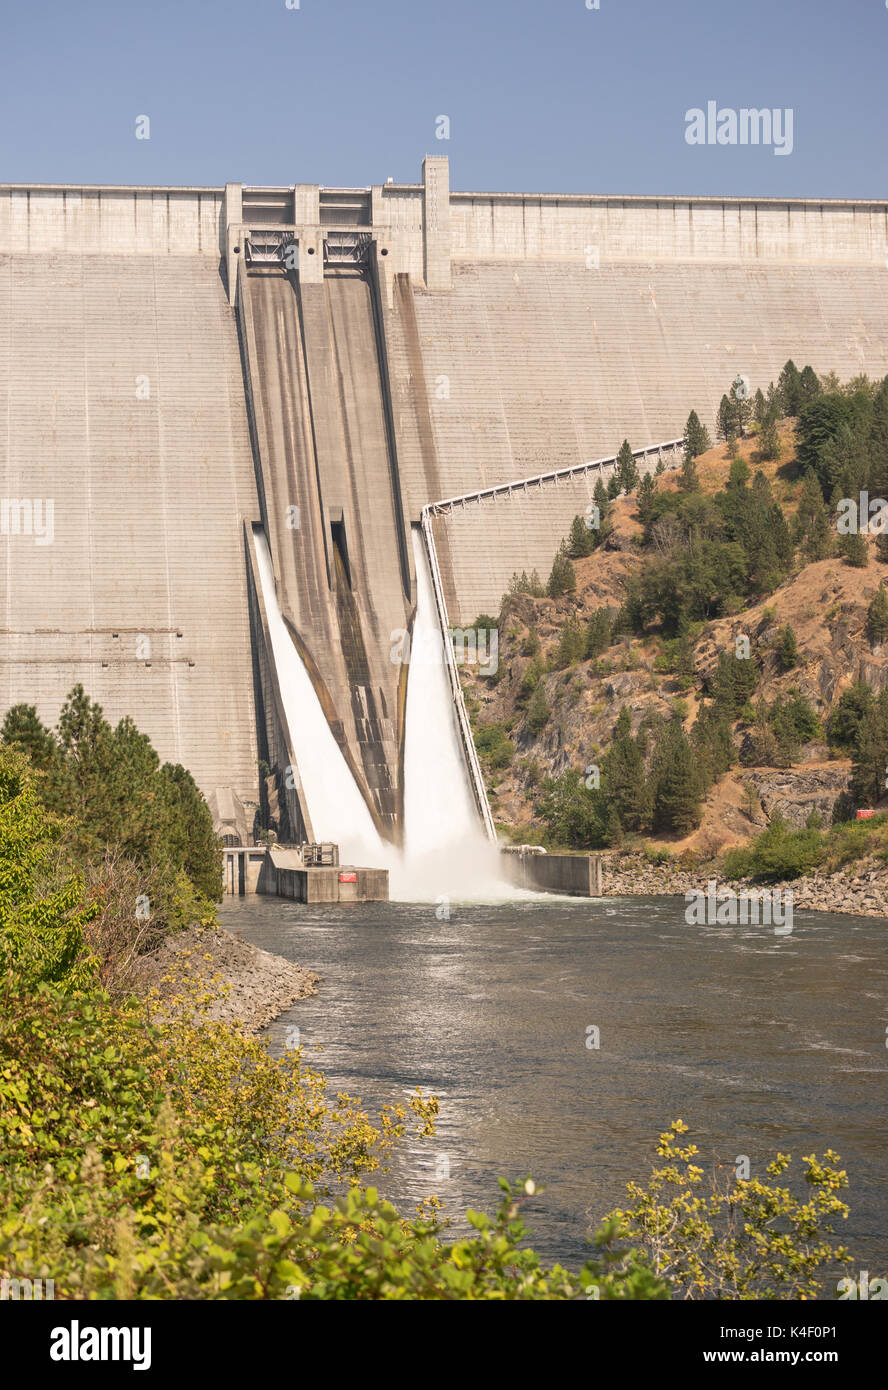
(760, 1043)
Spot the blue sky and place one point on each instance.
(546, 96)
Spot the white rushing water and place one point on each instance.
(447, 855)
(337, 809)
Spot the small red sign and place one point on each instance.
(348, 878)
(865, 815)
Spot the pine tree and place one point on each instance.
(759, 407)
(789, 386)
(613, 487)
(697, 439)
(870, 757)
(726, 425)
(854, 549)
(598, 633)
(878, 443)
(769, 445)
(623, 775)
(646, 489)
(813, 533)
(689, 480)
(563, 579)
(678, 794)
(22, 729)
(571, 645)
(878, 615)
(788, 651)
(538, 712)
(627, 468)
(581, 540)
(809, 385)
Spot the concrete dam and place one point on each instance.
(246, 433)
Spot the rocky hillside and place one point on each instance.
(825, 603)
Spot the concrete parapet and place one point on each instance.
(576, 875)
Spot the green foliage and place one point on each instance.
(494, 746)
(877, 615)
(870, 753)
(22, 729)
(598, 633)
(521, 584)
(769, 445)
(688, 479)
(563, 579)
(777, 853)
(812, 531)
(582, 538)
(571, 646)
(42, 913)
(742, 1238)
(789, 389)
(788, 649)
(538, 711)
(627, 469)
(853, 548)
(732, 683)
(697, 439)
(846, 716)
(678, 795)
(110, 786)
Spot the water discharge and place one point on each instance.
(446, 856)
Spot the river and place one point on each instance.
(760, 1043)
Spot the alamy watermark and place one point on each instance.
(28, 516)
(471, 647)
(725, 908)
(748, 126)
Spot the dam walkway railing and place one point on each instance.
(575, 470)
(448, 504)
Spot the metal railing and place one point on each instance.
(538, 479)
(441, 509)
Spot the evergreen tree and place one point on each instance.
(726, 423)
(571, 645)
(870, 757)
(813, 533)
(581, 540)
(740, 405)
(882, 547)
(623, 775)
(878, 443)
(789, 385)
(847, 715)
(769, 446)
(22, 729)
(538, 712)
(598, 633)
(678, 792)
(613, 486)
(786, 741)
(646, 489)
(788, 650)
(759, 407)
(738, 474)
(854, 550)
(689, 481)
(878, 615)
(627, 468)
(563, 579)
(809, 385)
(697, 439)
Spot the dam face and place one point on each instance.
(180, 365)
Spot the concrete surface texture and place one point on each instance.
(491, 336)
(121, 401)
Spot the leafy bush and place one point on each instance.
(777, 853)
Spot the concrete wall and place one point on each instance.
(523, 333)
(576, 875)
(121, 399)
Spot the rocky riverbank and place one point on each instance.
(862, 889)
(248, 986)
